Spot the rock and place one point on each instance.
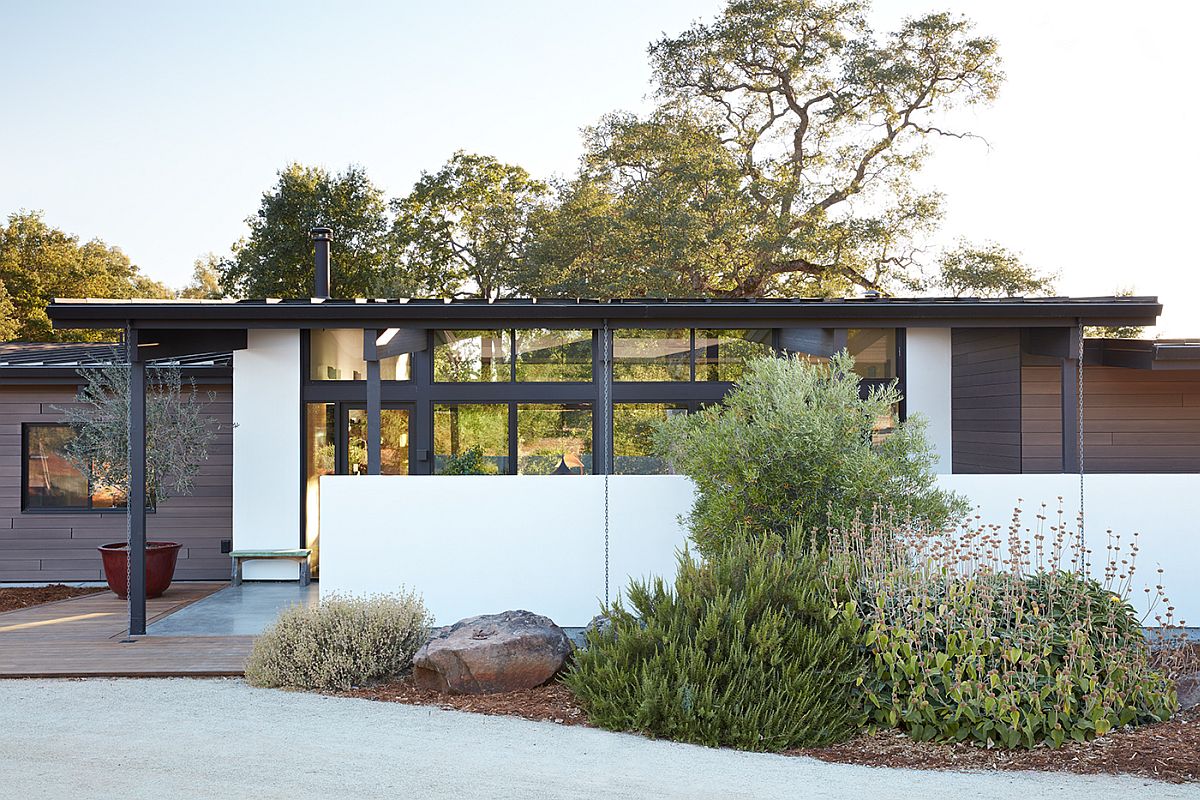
(492, 653)
(1187, 689)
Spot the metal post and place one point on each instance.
(136, 509)
(374, 403)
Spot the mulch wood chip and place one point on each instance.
(14, 597)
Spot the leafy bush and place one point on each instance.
(469, 462)
(743, 653)
(795, 442)
(340, 642)
(985, 636)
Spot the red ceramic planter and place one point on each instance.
(160, 566)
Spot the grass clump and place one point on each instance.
(743, 653)
(340, 643)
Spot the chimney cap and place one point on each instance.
(320, 233)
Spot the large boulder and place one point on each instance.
(492, 653)
(1187, 689)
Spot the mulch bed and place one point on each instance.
(1169, 751)
(12, 598)
(551, 703)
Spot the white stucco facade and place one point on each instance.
(927, 386)
(483, 544)
(266, 449)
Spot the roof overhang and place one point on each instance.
(799, 312)
(1160, 354)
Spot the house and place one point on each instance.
(346, 411)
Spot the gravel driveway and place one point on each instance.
(182, 738)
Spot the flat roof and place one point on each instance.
(784, 312)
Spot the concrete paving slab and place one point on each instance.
(243, 610)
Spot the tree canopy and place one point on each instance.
(276, 259)
(463, 230)
(39, 263)
(990, 270)
(781, 157)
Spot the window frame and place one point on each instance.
(89, 509)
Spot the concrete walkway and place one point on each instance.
(222, 739)
(243, 610)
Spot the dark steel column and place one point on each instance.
(374, 402)
(136, 510)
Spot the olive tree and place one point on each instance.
(178, 430)
(797, 443)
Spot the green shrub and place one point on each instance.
(340, 642)
(469, 462)
(795, 442)
(743, 653)
(987, 637)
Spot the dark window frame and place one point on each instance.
(88, 509)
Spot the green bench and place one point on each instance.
(300, 556)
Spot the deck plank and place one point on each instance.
(87, 637)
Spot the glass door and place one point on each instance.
(394, 452)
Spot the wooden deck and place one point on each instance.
(86, 637)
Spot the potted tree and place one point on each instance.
(178, 432)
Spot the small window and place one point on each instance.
(874, 351)
(461, 428)
(652, 355)
(471, 357)
(554, 439)
(554, 355)
(52, 483)
(336, 354)
(633, 437)
(721, 355)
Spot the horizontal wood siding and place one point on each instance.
(1041, 418)
(62, 547)
(985, 389)
(1141, 420)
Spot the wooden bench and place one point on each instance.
(300, 556)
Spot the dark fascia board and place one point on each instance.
(915, 312)
(34, 376)
(1143, 354)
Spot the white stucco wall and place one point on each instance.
(927, 386)
(266, 449)
(483, 544)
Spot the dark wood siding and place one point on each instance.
(985, 390)
(54, 547)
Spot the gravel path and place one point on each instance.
(213, 739)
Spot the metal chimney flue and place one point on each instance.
(321, 240)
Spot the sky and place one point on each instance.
(157, 126)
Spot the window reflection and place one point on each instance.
(721, 355)
(652, 355)
(633, 437)
(554, 355)
(554, 439)
(471, 356)
(336, 354)
(458, 429)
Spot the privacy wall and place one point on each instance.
(482, 544)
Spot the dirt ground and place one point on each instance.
(14, 597)
(1169, 751)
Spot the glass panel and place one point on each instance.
(652, 355)
(393, 448)
(113, 498)
(554, 355)
(458, 429)
(469, 356)
(554, 439)
(337, 355)
(320, 435)
(874, 351)
(51, 481)
(633, 448)
(721, 355)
